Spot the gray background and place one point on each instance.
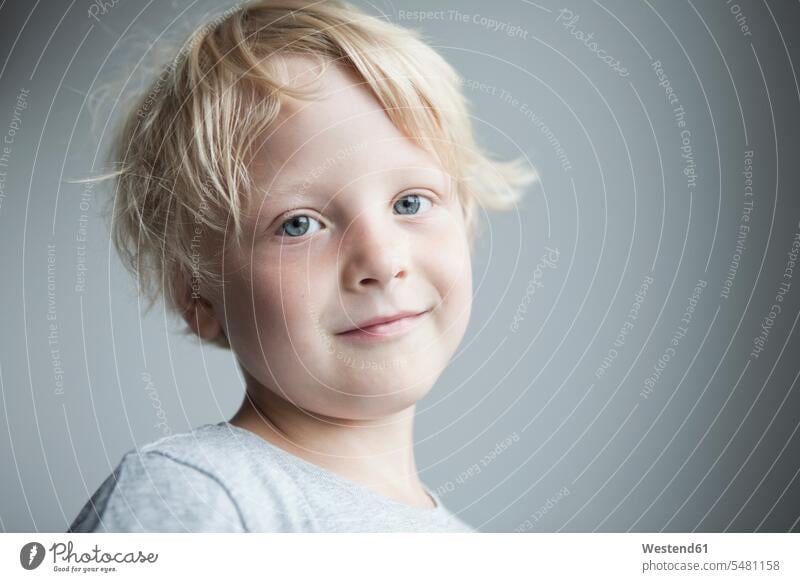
(714, 447)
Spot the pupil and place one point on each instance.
(298, 222)
(411, 202)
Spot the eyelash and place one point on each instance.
(281, 234)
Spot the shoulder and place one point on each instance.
(208, 480)
(149, 492)
(241, 462)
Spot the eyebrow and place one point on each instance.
(301, 189)
(285, 192)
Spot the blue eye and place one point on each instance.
(297, 226)
(411, 203)
(301, 224)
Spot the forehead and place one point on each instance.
(343, 136)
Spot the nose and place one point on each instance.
(375, 254)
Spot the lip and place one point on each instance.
(386, 327)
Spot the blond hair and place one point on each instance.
(183, 148)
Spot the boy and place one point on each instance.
(302, 185)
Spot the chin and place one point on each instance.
(373, 406)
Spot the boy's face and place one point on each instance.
(352, 222)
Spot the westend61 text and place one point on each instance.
(670, 549)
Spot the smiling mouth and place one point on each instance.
(385, 330)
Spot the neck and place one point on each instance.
(375, 453)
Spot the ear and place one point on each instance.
(199, 315)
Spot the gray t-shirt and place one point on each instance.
(222, 478)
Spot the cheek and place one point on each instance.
(285, 307)
(459, 300)
(451, 267)
(452, 256)
(292, 301)
(267, 305)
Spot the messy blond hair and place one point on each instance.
(183, 148)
